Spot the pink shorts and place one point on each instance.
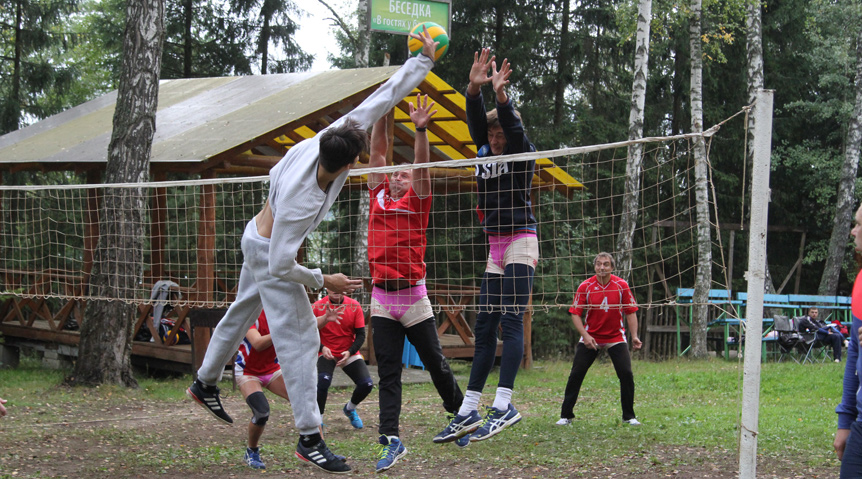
(520, 248)
(408, 306)
(265, 379)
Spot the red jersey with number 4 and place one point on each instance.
(253, 362)
(396, 235)
(603, 308)
(339, 337)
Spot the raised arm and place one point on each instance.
(499, 80)
(379, 146)
(479, 71)
(421, 116)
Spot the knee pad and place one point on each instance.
(259, 407)
(323, 382)
(365, 386)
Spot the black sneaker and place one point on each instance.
(208, 398)
(319, 455)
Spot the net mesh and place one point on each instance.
(49, 232)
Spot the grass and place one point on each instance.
(682, 404)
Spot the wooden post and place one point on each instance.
(205, 282)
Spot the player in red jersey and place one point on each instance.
(399, 212)
(340, 341)
(600, 304)
(256, 367)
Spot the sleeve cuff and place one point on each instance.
(845, 420)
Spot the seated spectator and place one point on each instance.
(822, 332)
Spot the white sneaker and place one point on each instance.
(837, 360)
(563, 422)
(632, 422)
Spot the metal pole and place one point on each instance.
(756, 278)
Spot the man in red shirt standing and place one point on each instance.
(598, 310)
(340, 341)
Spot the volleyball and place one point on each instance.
(437, 33)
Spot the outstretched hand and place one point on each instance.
(429, 46)
(421, 114)
(500, 78)
(332, 314)
(339, 283)
(479, 71)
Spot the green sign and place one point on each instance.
(400, 16)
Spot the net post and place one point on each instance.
(756, 278)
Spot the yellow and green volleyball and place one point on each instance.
(437, 32)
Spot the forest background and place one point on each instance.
(572, 82)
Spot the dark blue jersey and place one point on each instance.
(504, 188)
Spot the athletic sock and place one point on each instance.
(470, 402)
(254, 449)
(309, 440)
(502, 399)
(350, 406)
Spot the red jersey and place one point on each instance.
(606, 307)
(339, 337)
(257, 363)
(396, 235)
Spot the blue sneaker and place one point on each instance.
(252, 458)
(495, 421)
(463, 441)
(353, 416)
(460, 426)
(390, 451)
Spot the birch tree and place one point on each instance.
(634, 163)
(703, 277)
(846, 189)
(105, 348)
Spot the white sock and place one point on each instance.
(470, 403)
(350, 406)
(503, 399)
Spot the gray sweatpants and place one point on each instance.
(291, 324)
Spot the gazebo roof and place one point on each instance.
(244, 125)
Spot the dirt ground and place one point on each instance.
(107, 447)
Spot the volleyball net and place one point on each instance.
(49, 232)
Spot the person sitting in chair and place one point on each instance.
(822, 332)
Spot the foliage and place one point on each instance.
(32, 34)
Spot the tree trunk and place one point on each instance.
(12, 117)
(703, 277)
(104, 352)
(189, 13)
(635, 152)
(846, 190)
(263, 45)
(754, 50)
(563, 74)
(363, 36)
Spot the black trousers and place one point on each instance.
(388, 336)
(357, 371)
(584, 358)
(835, 340)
